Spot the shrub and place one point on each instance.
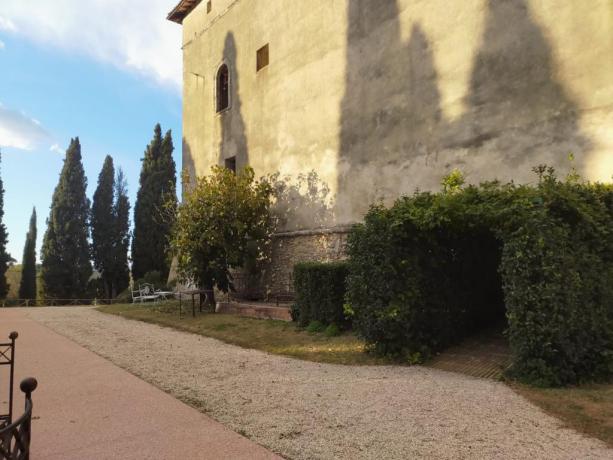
(433, 268)
(557, 277)
(315, 326)
(154, 278)
(320, 291)
(124, 296)
(222, 224)
(332, 330)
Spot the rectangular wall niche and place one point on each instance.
(262, 58)
(209, 6)
(230, 163)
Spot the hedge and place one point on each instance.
(320, 290)
(436, 267)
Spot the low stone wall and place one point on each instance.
(290, 248)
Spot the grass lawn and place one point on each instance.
(588, 409)
(278, 337)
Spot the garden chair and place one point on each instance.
(144, 293)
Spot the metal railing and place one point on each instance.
(15, 435)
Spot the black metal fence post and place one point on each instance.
(13, 335)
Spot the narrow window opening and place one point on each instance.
(209, 6)
(262, 57)
(230, 163)
(223, 88)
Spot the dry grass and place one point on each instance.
(278, 337)
(588, 408)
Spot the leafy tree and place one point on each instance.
(27, 286)
(157, 192)
(66, 266)
(5, 257)
(223, 221)
(103, 225)
(121, 237)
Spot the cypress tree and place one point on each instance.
(66, 265)
(103, 225)
(5, 257)
(121, 215)
(157, 188)
(167, 206)
(27, 286)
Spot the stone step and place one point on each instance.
(254, 310)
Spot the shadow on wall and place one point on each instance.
(233, 142)
(188, 166)
(393, 135)
(301, 202)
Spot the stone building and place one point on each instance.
(381, 97)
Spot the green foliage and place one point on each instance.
(557, 271)
(320, 289)
(453, 181)
(5, 257)
(110, 230)
(153, 277)
(434, 268)
(121, 236)
(315, 327)
(66, 266)
(224, 220)
(154, 209)
(102, 225)
(27, 285)
(124, 296)
(332, 330)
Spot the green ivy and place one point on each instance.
(435, 267)
(320, 289)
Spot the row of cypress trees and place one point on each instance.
(78, 234)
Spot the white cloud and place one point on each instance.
(57, 149)
(132, 35)
(7, 25)
(17, 130)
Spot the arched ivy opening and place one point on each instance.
(437, 267)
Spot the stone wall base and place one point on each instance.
(275, 281)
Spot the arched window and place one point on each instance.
(223, 88)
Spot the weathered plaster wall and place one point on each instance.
(383, 96)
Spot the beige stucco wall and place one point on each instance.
(384, 96)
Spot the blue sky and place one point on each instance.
(63, 75)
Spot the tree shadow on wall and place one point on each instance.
(516, 107)
(188, 166)
(391, 109)
(392, 128)
(301, 202)
(233, 138)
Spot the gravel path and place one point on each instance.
(306, 410)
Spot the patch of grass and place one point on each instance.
(277, 337)
(587, 408)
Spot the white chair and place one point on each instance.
(144, 293)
